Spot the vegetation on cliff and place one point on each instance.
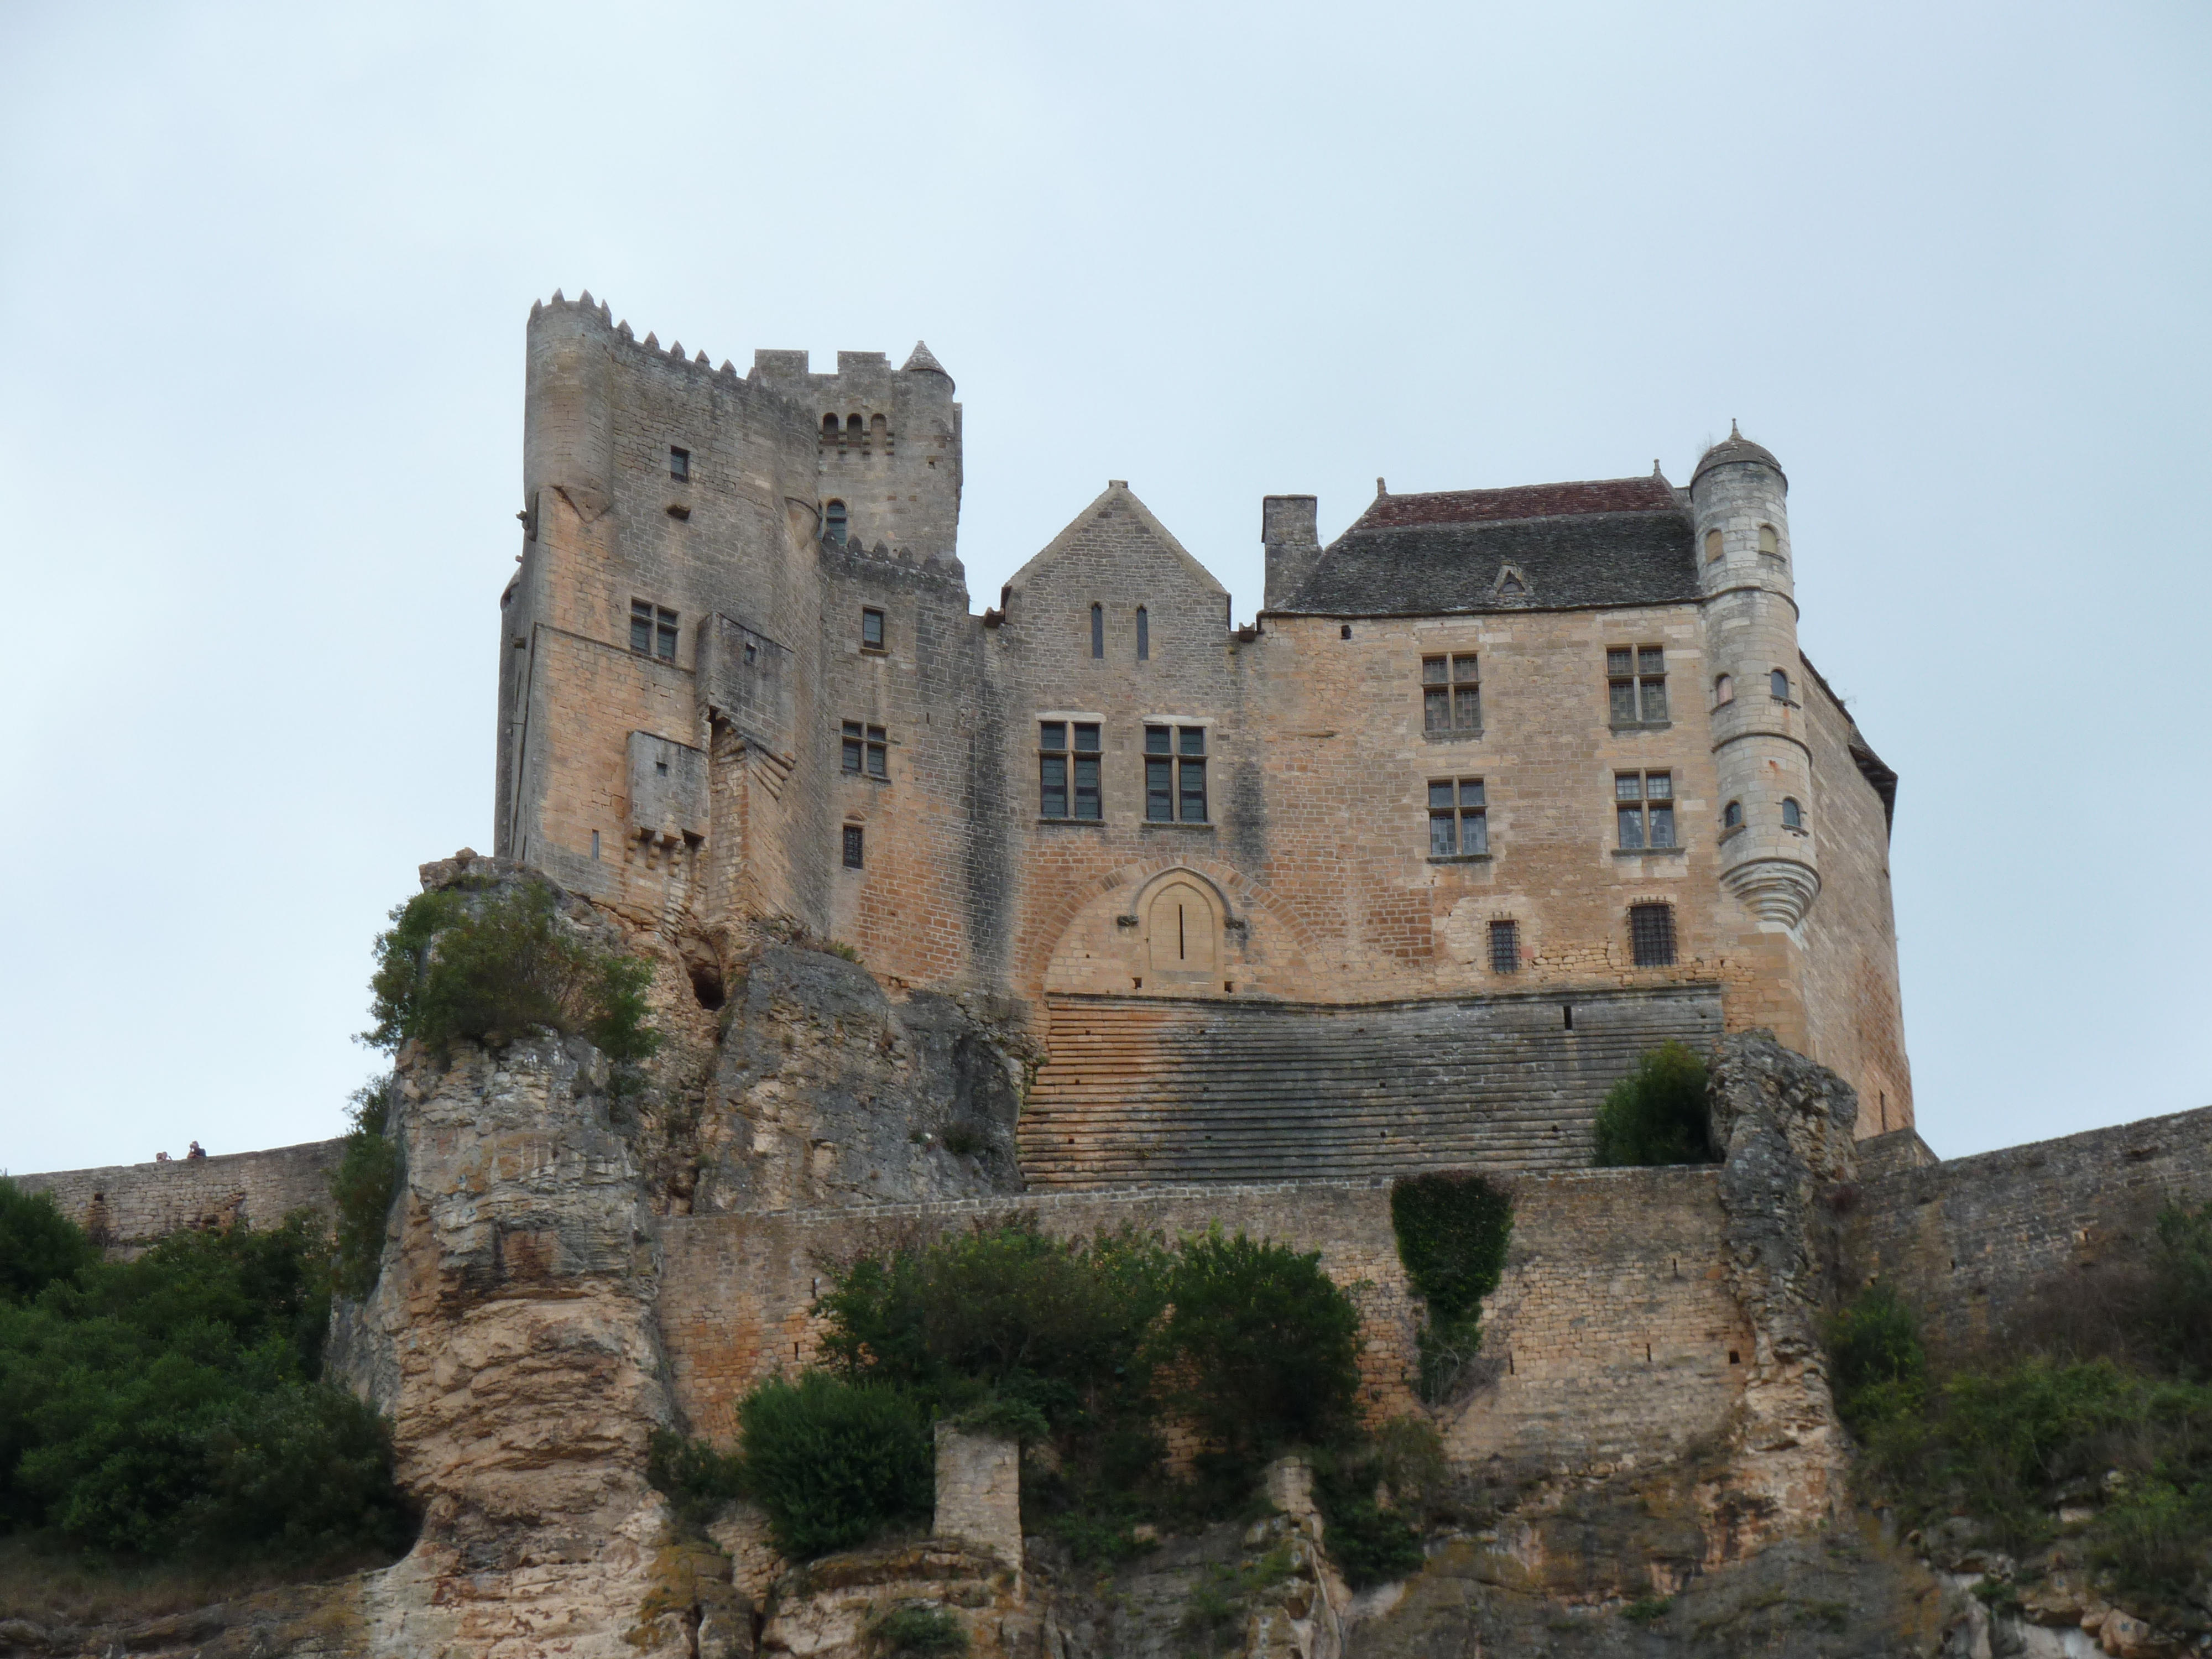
(2091, 1448)
(1658, 1114)
(492, 964)
(362, 1190)
(170, 1406)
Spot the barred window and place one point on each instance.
(1452, 694)
(872, 628)
(1175, 774)
(651, 630)
(1644, 804)
(866, 747)
(1059, 762)
(1651, 934)
(853, 846)
(1459, 817)
(1504, 947)
(1636, 677)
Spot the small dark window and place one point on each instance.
(872, 630)
(1778, 684)
(1651, 934)
(1793, 815)
(1459, 817)
(866, 749)
(1504, 947)
(1732, 815)
(1058, 764)
(1635, 679)
(854, 425)
(1144, 636)
(679, 463)
(1344, 632)
(1644, 805)
(1098, 630)
(853, 846)
(1452, 694)
(833, 521)
(661, 768)
(829, 426)
(651, 630)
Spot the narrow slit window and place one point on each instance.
(679, 463)
(852, 848)
(1504, 947)
(1144, 636)
(872, 629)
(1651, 934)
(1098, 630)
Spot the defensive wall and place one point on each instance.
(127, 1207)
(1971, 1243)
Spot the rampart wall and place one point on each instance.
(1969, 1242)
(127, 1207)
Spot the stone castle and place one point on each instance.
(1501, 784)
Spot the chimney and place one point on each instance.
(1290, 529)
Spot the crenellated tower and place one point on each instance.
(1761, 746)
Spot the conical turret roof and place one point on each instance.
(1736, 448)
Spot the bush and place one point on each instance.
(1267, 1346)
(2178, 1309)
(1371, 1544)
(362, 1190)
(834, 1463)
(1657, 1114)
(168, 1407)
(1876, 1364)
(38, 1243)
(456, 964)
(920, 1630)
(694, 1477)
(1452, 1232)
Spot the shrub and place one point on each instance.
(1265, 1342)
(1369, 1544)
(38, 1243)
(1452, 1232)
(920, 1630)
(833, 1462)
(456, 964)
(963, 1139)
(2179, 1308)
(1657, 1114)
(362, 1190)
(1876, 1362)
(694, 1477)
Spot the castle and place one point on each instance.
(1500, 788)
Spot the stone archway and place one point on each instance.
(1183, 935)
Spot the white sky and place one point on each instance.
(266, 271)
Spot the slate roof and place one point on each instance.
(1537, 547)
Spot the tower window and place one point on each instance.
(1723, 690)
(1644, 805)
(1098, 630)
(833, 520)
(1793, 815)
(1778, 684)
(1732, 815)
(866, 747)
(829, 426)
(1651, 934)
(852, 428)
(1459, 819)
(679, 463)
(651, 630)
(1637, 678)
(1712, 545)
(1175, 774)
(1060, 764)
(1504, 947)
(1143, 635)
(852, 848)
(1452, 694)
(1769, 543)
(872, 629)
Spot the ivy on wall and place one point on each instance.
(1452, 1229)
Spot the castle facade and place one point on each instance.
(1499, 788)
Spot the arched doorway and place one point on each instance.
(1182, 936)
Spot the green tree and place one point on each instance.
(833, 1462)
(1658, 1114)
(38, 1243)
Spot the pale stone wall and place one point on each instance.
(978, 1493)
(127, 1207)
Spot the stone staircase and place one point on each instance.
(1148, 1091)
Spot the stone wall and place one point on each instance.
(127, 1207)
(1970, 1243)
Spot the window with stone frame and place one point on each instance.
(1451, 693)
(867, 750)
(1067, 771)
(1459, 818)
(834, 523)
(1644, 806)
(1504, 947)
(651, 630)
(852, 848)
(1175, 775)
(1636, 681)
(679, 463)
(872, 628)
(1651, 934)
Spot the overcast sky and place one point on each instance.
(266, 271)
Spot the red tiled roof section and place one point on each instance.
(1553, 500)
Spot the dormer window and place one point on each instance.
(833, 520)
(679, 464)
